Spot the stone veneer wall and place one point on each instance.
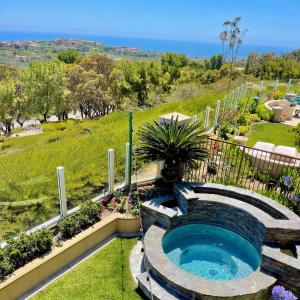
(151, 216)
(256, 200)
(223, 215)
(287, 275)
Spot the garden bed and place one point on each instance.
(34, 272)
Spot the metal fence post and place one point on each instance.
(130, 132)
(216, 120)
(62, 190)
(207, 117)
(111, 170)
(127, 165)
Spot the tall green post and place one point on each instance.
(130, 130)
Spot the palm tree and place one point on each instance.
(178, 145)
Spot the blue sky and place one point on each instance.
(270, 22)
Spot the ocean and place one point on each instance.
(195, 49)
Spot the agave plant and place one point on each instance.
(176, 144)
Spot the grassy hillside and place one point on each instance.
(28, 164)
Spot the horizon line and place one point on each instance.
(142, 38)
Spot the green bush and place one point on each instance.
(19, 251)
(87, 215)
(296, 131)
(279, 94)
(242, 120)
(242, 130)
(69, 226)
(6, 267)
(250, 118)
(264, 113)
(226, 131)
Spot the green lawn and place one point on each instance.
(98, 277)
(276, 133)
(28, 164)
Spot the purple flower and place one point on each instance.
(280, 293)
(129, 198)
(288, 180)
(296, 198)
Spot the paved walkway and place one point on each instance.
(293, 122)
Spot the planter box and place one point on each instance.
(29, 276)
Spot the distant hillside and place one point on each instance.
(21, 53)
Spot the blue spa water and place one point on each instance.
(211, 252)
(296, 100)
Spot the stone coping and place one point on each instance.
(273, 208)
(284, 259)
(257, 213)
(192, 284)
(156, 205)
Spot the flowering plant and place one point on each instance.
(280, 293)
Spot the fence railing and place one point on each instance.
(250, 168)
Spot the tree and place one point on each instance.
(21, 104)
(178, 145)
(7, 101)
(231, 39)
(172, 63)
(45, 86)
(69, 56)
(216, 61)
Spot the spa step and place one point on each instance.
(159, 290)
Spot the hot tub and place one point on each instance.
(212, 252)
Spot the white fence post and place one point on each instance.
(195, 118)
(62, 190)
(224, 104)
(207, 117)
(289, 86)
(236, 100)
(239, 92)
(261, 88)
(276, 84)
(111, 168)
(127, 166)
(216, 121)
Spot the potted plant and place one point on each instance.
(178, 145)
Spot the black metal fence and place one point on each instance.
(273, 174)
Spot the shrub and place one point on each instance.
(69, 226)
(226, 131)
(242, 120)
(28, 246)
(264, 113)
(242, 130)
(86, 216)
(296, 131)
(250, 118)
(279, 94)
(91, 210)
(6, 267)
(23, 249)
